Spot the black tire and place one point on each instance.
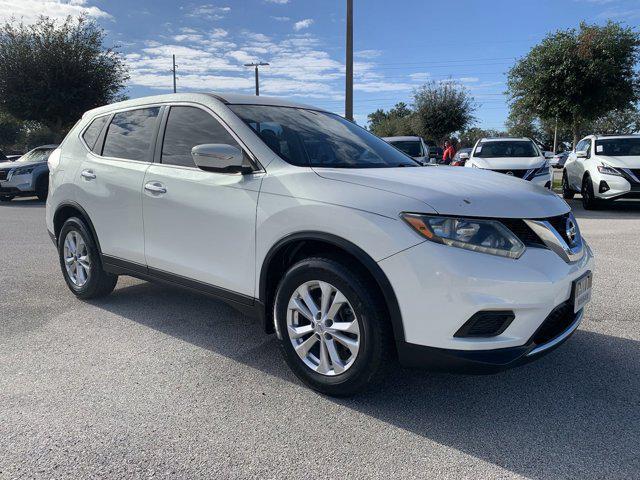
(375, 333)
(589, 201)
(42, 188)
(567, 192)
(99, 283)
(6, 198)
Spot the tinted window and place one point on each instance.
(92, 132)
(506, 149)
(186, 128)
(319, 139)
(618, 147)
(413, 148)
(130, 134)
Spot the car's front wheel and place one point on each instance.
(80, 261)
(334, 330)
(589, 200)
(567, 192)
(42, 188)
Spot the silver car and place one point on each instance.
(28, 176)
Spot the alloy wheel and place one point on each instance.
(323, 328)
(76, 259)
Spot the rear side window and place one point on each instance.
(92, 132)
(186, 128)
(130, 134)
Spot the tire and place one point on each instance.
(6, 198)
(42, 188)
(589, 201)
(567, 192)
(352, 372)
(97, 283)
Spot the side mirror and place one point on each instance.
(548, 155)
(219, 157)
(464, 156)
(581, 154)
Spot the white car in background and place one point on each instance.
(516, 157)
(603, 168)
(415, 147)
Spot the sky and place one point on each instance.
(398, 44)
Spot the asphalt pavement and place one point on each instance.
(158, 382)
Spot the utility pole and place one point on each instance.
(348, 94)
(555, 136)
(256, 65)
(174, 73)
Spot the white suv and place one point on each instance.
(517, 157)
(344, 247)
(603, 168)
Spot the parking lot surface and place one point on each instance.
(154, 381)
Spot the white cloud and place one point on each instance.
(281, 19)
(29, 11)
(420, 76)
(209, 11)
(279, 2)
(367, 54)
(302, 24)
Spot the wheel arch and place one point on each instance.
(66, 210)
(302, 244)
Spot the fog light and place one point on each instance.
(486, 324)
(604, 187)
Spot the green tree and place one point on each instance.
(397, 121)
(10, 130)
(442, 109)
(51, 72)
(618, 122)
(578, 75)
(468, 137)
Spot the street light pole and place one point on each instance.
(348, 94)
(256, 65)
(174, 73)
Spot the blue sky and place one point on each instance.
(398, 45)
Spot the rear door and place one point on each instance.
(111, 176)
(199, 225)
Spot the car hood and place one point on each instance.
(622, 162)
(512, 163)
(458, 191)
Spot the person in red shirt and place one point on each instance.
(449, 152)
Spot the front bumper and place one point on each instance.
(17, 185)
(612, 187)
(439, 288)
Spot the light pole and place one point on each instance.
(348, 94)
(174, 73)
(256, 65)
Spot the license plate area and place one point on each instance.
(581, 291)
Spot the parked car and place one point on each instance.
(27, 176)
(13, 158)
(413, 146)
(516, 157)
(558, 160)
(603, 168)
(461, 157)
(307, 221)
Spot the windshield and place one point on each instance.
(36, 155)
(413, 148)
(618, 147)
(506, 149)
(319, 139)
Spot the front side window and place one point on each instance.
(319, 139)
(92, 132)
(186, 128)
(130, 134)
(618, 147)
(413, 148)
(506, 149)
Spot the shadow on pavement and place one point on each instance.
(575, 413)
(618, 210)
(23, 203)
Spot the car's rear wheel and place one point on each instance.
(334, 330)
(80, 261)
(567, 192)
(589, 201)
(42, 188)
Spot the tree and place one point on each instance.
(51, 73)
(10, 130)
(397, 121)
(441, 109)
(468, 138)
(618, 122)
(578, 75)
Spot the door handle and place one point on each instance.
(155, 187)
(88, 174)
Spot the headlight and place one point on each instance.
(608, 170)
(543, 170)
(485, 236)
(23, 171)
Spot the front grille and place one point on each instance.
(560, 224)
(555, 324)
(522, 231)
(4, 174)
(515, 173)
(636, 172)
